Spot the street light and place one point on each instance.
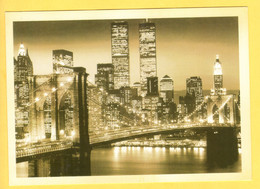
(69, 79)
(62, 132)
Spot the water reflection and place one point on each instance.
(63, 164)
(125, 161)
(157, 160)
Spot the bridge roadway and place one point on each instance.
(99, 138)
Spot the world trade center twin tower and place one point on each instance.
(120, 53)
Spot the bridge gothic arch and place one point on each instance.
(227, 113)
(47, 117)
(66, 114)
(50, 94)
(220, 109)
(215, 113)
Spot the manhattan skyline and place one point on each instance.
(185, 46)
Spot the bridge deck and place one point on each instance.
(109, 137)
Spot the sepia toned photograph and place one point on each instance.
(128, 93)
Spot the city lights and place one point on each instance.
(62, 132)
(114, 109)
(69, 79)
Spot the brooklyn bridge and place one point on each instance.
(61, 103)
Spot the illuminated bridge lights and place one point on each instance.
(130, 129)
(34, 149)
(45, 94)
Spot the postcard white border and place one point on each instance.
(240, 12)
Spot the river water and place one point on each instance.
(127, 161)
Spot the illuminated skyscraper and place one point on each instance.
(23, 68)
(137, 87)
(152, 98)
(194, 87)
(105, 76)
(166, 89)
(147, 42)
(120, 54)
(152, 86)
(62, 58)
(96, 109)
(218, 79)
(218, 76)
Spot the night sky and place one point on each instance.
(185, 46)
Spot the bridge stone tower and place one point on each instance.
(58, 106)
(220, 109)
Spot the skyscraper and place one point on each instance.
(96, 109)
(194, 87)
(147, 42)
(166, 89)
(60, 59)
(125, 95)
(218, 78)
(152, 86)
(105, 76)
(150, 101)
(137, 86)
(23, 68)
(120, 54)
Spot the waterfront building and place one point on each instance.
(150, 101)
(105, 76)
(166, 89)
(194, 86)
(182, 111)
(113, 96)
(120, 54)
(61, 61)
(150, 105)
(186, 107)
(96, 109)
(152, 86)
(125, 95)
(112, 115)
(137, 86)
(147, 42)
(23, 68)
(136, 104)
(167, 112)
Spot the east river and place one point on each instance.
(128, 161)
